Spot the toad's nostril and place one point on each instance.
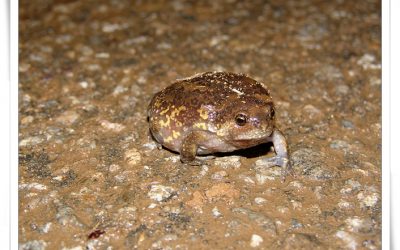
(256, 123)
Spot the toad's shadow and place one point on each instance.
(252, 152)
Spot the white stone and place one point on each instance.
(347, 238)
(174, 158)
(260, 200)
(344, 204)
(32, 185)
(114, 167)
(152, 205)
(30, 141)
(115, 127)
(84, 84)
(111, 27)
(216, 213)
(73, 248)
(103, 55)
(368, 200)
(256, 240)
(160, 193)
(228, 162)
(367, 62)
(119, 90)
(150, 145)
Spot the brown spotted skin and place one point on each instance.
(199, 115)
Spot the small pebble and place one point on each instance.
(265, 170)
(23, 67)
(228, 162)
(344, 204)
(119, 90)
(342, 89)
(348, 239)
(219, 175)
(318, 192)
(367, 62)
(347, 124)
(339, 144)
(367, 199)
(72, 248)
(26, 120)
(282, 209)
(33, 245)
(296, 184)
(114, 168)
(359, 225)
(374, 81)
(169, 237)
(173, 159)
(45, 228)
(160, 192)
(31, 141)
(33, 185)
(296, 204)
(247, 179)
(68, 118)
(260, 200)
(84, 84)
(216, 213)
(150, 145)
(296, 224)
(112, 27)
(256, 240)
(152, 205)
(132, 156)
(125, 217)
(311, 164)
(66, 216)
(103, 55)
(203, 171)
(312, 111)
(115, 127)
(259, 218)
(350, 186)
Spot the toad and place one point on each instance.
(216, 112)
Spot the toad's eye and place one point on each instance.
(241, 119)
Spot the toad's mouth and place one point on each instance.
(257, 136)
(250, 142)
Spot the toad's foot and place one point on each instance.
(281, 149)
(190, 146)
(198, 160)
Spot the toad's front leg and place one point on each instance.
(189, 148)
(281, 149)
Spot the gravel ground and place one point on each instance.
(91, 178)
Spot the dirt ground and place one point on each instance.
(91, 178)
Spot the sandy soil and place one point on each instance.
(91, 178)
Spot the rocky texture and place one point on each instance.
(90, 177)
